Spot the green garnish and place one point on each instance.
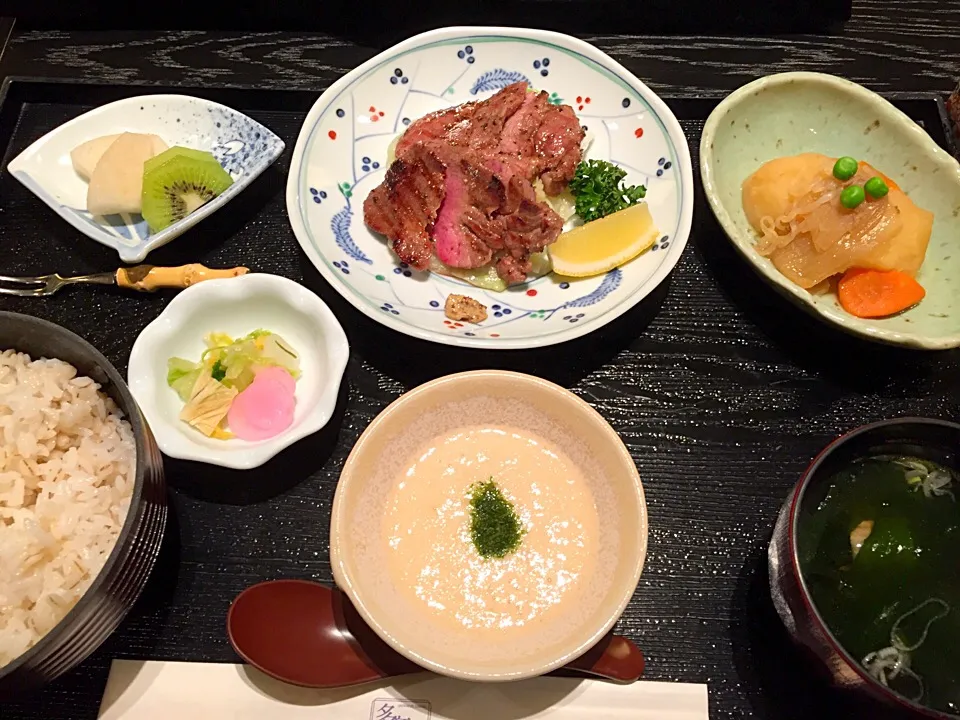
(494, 524)
(876, 187)
(598, 192)
(852, 196)
(845, 168)
(218, 372)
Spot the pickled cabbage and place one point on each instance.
(233, 362)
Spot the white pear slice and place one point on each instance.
(85, 157)
(116, 184)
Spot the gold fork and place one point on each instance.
(144, 278)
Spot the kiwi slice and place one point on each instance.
(178, 181)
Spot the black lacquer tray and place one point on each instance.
(722, 391)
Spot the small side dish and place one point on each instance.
(263, 355)
(840, 225)
(769, 149)
(135, 173)
(92, 171)
(879, 556)
(482, 191)
(239, 388)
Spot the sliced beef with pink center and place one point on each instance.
(461, 187)
(462, 231)
(479, 217)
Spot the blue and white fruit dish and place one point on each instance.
(244, 148)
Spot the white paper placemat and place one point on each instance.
(207, 691)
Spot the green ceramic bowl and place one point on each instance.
(792, 113)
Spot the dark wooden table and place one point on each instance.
(721, 390)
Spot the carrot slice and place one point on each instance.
(878, 293)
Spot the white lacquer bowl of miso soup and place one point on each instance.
(864, 567)
(489, 526)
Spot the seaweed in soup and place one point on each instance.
(881, 557)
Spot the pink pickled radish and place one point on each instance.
(265, 408)
(276, 374)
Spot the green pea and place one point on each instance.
(845, 168)
(852, 196)
(876, 187)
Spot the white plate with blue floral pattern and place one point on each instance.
(341, 154)
(244, 147)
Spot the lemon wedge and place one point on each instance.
(604, 244)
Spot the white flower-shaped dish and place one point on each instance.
(238, 306)
(243, 146)
(341, 154)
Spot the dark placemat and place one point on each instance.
(721, 390)
(339, 17)
(6, 31)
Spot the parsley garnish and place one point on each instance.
(598, 192)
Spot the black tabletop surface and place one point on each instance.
(721, 390)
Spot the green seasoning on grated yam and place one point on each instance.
(494, 524)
